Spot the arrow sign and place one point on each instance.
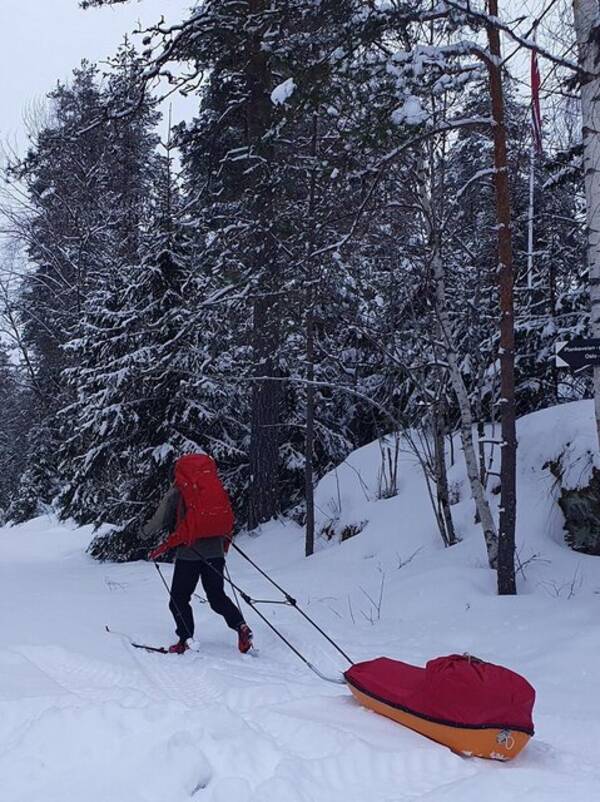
(577, 354)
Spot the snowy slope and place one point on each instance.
(85, 717)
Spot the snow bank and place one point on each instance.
(564, 434)
(347, 500)
(43, 538)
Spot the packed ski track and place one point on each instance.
(85, 716)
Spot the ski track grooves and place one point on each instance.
(86, 678)
(321, 759)
(288, 737)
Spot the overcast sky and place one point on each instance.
(43, 40)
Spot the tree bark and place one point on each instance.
(264, 432)
(264, 502)
(508, 459)
(441, 475)
(586, 17)
(309, 494)
(482, 506)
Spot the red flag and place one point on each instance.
(536, 114)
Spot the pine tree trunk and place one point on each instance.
(264, 501)
(508, 460)
(310, 355)
(264, 432)
(310, 435)
(586, 17)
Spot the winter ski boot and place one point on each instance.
(179, 648)
(244, 638)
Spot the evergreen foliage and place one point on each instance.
(279, 269)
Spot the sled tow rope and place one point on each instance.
(288, 600)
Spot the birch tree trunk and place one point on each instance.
(482, 506)
(587, 20)
(441, 474)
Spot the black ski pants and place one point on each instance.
(185, 579)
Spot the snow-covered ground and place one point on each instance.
(83, 716)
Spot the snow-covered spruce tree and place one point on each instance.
(66, 235)
(557, 306)
(320, 163)
(88, 184)
(564, 284)
(87, 452)
(132, 416)
(65, 174)
(132, 140)
(237, 43)
(38, 482)
(13, 430)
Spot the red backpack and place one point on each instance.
(204, 510)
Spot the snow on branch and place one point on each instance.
(465, 7)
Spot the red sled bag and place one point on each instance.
(204, 510)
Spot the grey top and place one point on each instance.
(165, 518)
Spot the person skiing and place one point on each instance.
(197, 514)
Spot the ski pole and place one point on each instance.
(174, 603)
(292, 602)
(252, 603)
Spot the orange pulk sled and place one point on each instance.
(472, 707)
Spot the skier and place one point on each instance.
(197, 514)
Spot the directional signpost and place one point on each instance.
(578, 354)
